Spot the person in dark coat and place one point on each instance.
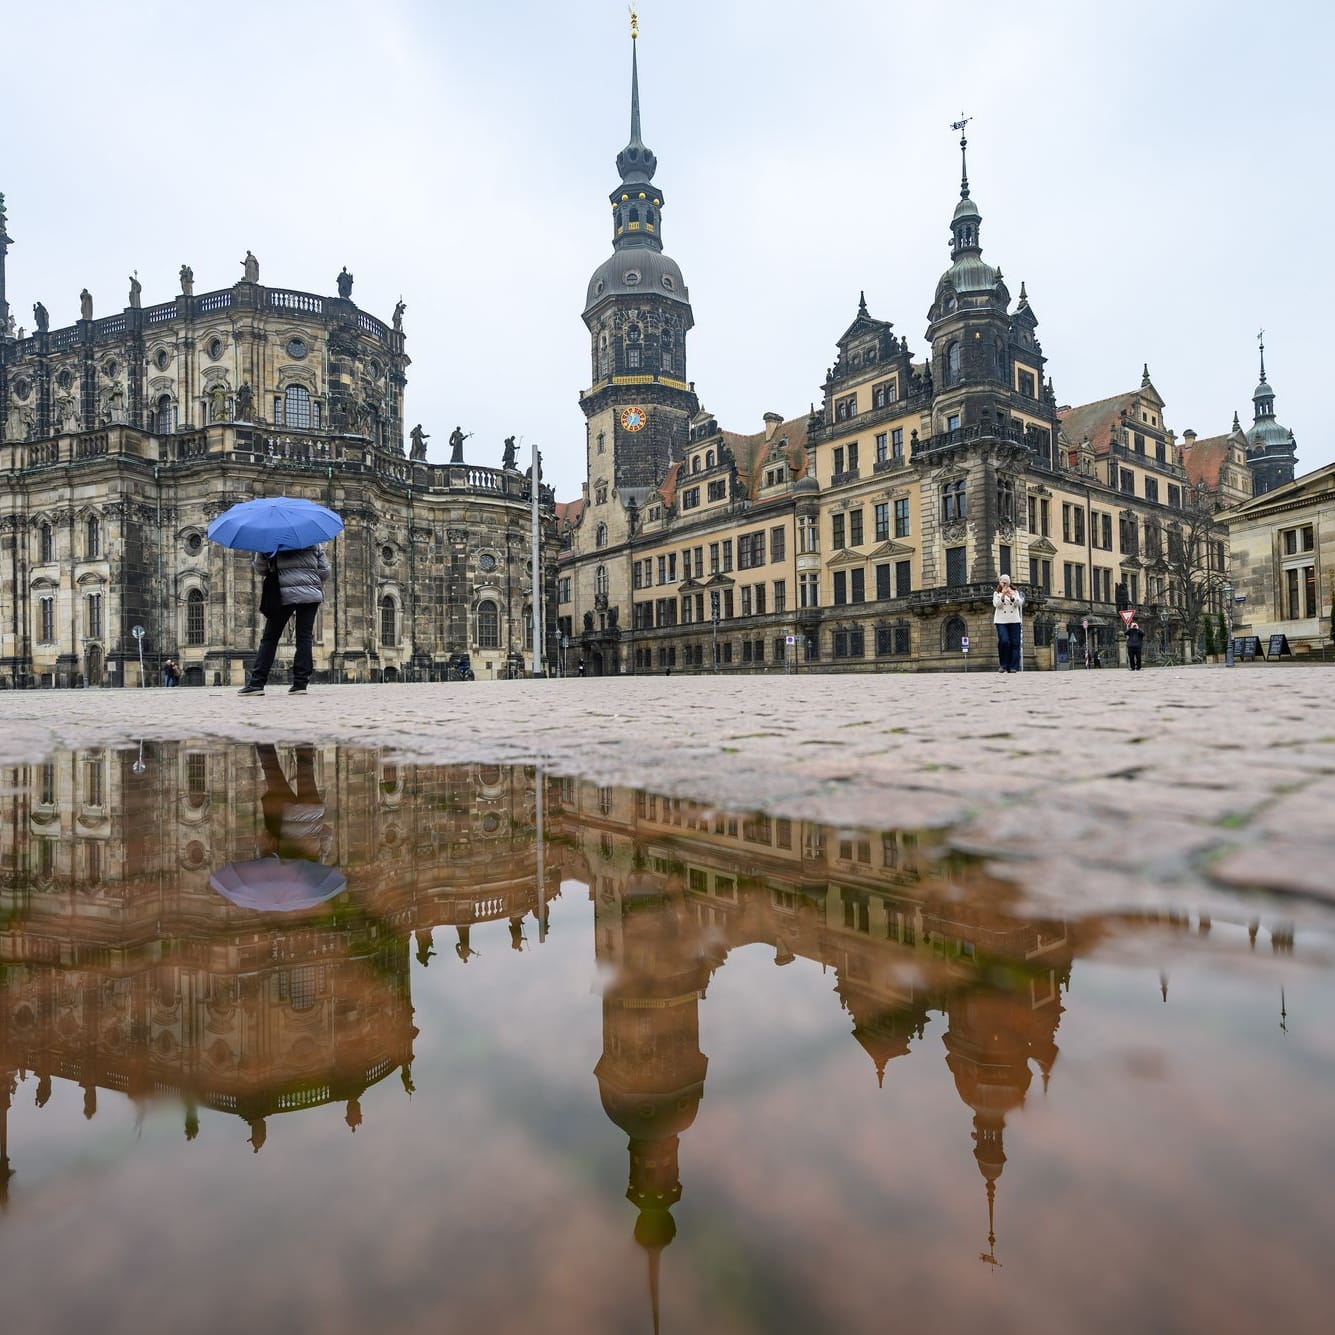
(293, 587)
(1135, 642)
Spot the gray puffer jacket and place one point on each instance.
(300, 574)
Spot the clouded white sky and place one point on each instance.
(1152, 169)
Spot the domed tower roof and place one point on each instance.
(968, 272)
(637, 265)
(1271, 448)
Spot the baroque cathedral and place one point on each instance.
(869, 532)
(123, 435)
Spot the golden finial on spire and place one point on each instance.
(634, 23)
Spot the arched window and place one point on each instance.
(709, 458)
(952, 635)
(488, 625)
(164, 416)
(953, 364)
(600, 581)
(46, 547)
(695, 464)
(389, 621)
(604, 366)
(297, 407)
(194, 617)
(600, 536)
(93, 536)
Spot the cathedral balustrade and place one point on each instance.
(307, 303)
(160, 314)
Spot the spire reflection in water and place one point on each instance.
(128, 981)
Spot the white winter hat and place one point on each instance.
(1005, 579)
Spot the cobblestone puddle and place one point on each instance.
(305, 1039)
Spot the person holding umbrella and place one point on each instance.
(285, 534)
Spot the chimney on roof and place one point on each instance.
(1188, 438)
(773, 421)
(1063, 407)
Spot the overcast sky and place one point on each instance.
(1154, 170)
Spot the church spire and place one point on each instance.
(964, 226)
(636, 205)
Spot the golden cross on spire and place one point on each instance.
(634, 23)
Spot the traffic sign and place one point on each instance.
(138, 632)
(1084, 621)
(964, 643)
(1128, 615)
(790, 639)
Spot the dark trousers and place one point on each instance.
(1008, 645)
(1133, 658)
(303, 660)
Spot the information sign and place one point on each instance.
(1279, 646)
(1247, 646)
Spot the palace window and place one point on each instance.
(952, 635)
(849, 643)
(884, 394)
(957, 572)
(846, 408)
(1300, 592)
(903, 578)
(45, 543)
(837, 542)
(717, 490)
(93, 618)
(882, 447)
(46, 617)
(953, 502)
(953, 374)
(690, 498)
(780, 596)
(600, 536)
(855, 528)
(489, 624)
(1004, 560)
(1006, 499)
(388, 621)
(600, 581)
(881, 521)
(1296, 540)
(902, 518)
(1151, 489)
(808, 540)
(164, 416)
(808, 591)
(297, 407)
(776, 544)
(93, 536)
(194, 617)
(1027, 385)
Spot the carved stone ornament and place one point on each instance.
(955, 531)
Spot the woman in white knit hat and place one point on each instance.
(1008, 603)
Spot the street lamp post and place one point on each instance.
(1228, 624)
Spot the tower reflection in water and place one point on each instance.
(125, 965)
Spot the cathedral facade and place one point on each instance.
(869, 533)
(124, 436)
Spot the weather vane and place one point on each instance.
(961, 123)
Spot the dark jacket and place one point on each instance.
(1135, 639)
(300, 574)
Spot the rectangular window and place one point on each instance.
(838, 460)
(882, 583)
(687, 609)
(808, 590)
(1151, 489)
(840, 587)
(1102, 585)
(837, 532)
(632, 359)
(902, 518)
(858, 586)
(46, 611)
(95, 616)
(881, 520)
(1027, 384)
(1140, 443)
(1126, 481)
(717, 490)
(777, 544)
(1004, 560)
(1074, 577)
(760, 600)
(1300, 592)
(852, 456)
(855, 528)
(897, 444)
(882, 447)
(780, 596)
(690, 498)
(746, 600)
(953, 504)
(1297, 540)
(903, 578)
(807, 534)
(1174, 495)
(956, 567)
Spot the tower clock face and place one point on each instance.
(633, 419)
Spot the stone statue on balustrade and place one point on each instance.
(245, 402)
(250, 266)
(41, 320)
(508, 453)
(398, 316)
(218, 403)
(457, 439)
(85, 305)
(187, 281)
(344, 281)
(136, 288)
(419, 439)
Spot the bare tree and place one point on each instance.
(1193, 561)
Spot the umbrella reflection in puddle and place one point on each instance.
(277, 885)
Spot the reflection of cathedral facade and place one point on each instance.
(122, 436)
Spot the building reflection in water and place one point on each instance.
(122, 969)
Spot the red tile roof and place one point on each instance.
(569, 512)
(1204, 459)
(1095, 421)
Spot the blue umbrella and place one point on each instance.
(275, 524)
(277, 885)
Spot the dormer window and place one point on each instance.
(709, 458)
(695, 464)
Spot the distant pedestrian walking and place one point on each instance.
(171, 673)
(293, 587)
(1135, 642)
(1008, 603)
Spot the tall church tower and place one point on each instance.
(1271, 449)
(638, 312)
